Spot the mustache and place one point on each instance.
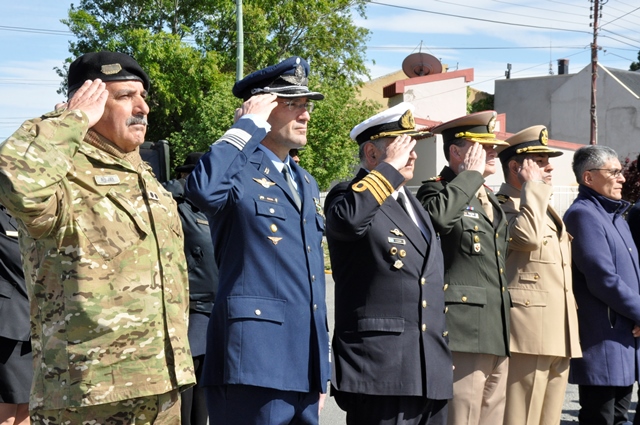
(137, 120)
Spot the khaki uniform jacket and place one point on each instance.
(474, 252)
(102, 249)
(544, 319)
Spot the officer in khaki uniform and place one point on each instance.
(544, 322)
(473, 229)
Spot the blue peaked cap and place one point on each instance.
(289, 78)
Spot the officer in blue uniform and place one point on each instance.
(267, 359)
(392, 363)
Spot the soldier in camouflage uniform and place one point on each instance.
(101, 242)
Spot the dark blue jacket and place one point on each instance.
(198, 250)
(390, 335)
(605, 284)
(14, 301)
(269, 323)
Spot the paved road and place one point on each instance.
(332, 415)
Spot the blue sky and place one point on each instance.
(530, 35)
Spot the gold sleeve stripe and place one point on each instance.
(377, 184)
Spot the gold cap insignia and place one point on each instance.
(407, 121)
(111, 69)
(491, 125)
(544, 137)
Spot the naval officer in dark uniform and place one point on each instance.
(473, 229)
(267, 358)
(392, 363)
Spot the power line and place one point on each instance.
(620, 17)
(476, 19)
(539, 8)
(37, 30)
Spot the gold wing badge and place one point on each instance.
(264, 182)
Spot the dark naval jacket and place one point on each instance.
(14, 301)
(268, 327)
(474, 260)
(390, 336)
(198, 249)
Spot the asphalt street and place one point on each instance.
(332, 415)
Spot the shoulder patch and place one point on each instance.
(433, 179)
(502, 198)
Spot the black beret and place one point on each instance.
(289, 79)
(108, 66)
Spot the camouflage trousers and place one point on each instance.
(163, 409)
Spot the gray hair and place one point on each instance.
(380, 144)
(590, 157)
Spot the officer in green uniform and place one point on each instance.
(474, 236)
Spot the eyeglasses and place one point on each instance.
(613, 172)
(296, 106)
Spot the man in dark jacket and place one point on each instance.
(392, 363)
(606, 287)
(203, 285)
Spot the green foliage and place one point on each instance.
(188, 48)
(483, 104)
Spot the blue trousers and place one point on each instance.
(246, 404)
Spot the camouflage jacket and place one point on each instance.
(102, 248)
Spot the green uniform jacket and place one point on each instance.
(474, 262)
(102, 248)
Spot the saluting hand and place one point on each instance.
(261, 105)
(90, 98)
(399, 151)
(474, 159)
(529, 171)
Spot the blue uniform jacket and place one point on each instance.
(605, 284)
(269, 323)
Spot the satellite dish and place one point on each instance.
(421, 64)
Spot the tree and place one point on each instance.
(188, 49)
(635, 66)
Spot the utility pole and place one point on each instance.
(239, 42)
(594, 72)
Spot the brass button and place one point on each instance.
(274, 228)
(258, 312)
(497, 235)
(527, 302)
(424, 303)
(445, 334)
(476, 238)
(446, 309)
(464, 298)
(536, 277)
(544, 242)
(272, 211)
(393, 250)
(498, 252)
(424, 327)
(446, 285)
(475, 227)
(423, 281)
(501, 270)
(402, 253)
(503, 289)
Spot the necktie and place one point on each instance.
(294, 191)
(402, 201)
(486, 205)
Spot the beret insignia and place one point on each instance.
(111, 69)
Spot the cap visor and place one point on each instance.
(309, 95)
